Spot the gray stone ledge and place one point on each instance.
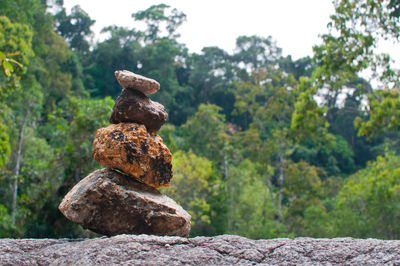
(218, 250)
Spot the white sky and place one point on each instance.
(295, 25)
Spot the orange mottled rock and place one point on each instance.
(129, 148)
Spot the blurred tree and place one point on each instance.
(61, 79)
(253, 52)
(73, 126)
(194, 186)
(70, 131)
(368, 203)
(350, 49)
(317, 222)
(211, 75)
(74, 28)
(120, 51)
(4, 145)
(337, 159)
(15, 48)
(159, 22)
(277, 104)
(205, 133)
(161, 60)
(15, 41)
(170, 138)
(251, 212)
(147, 52)
(302, 67)
(301, 189)
(271, 106)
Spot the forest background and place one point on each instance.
(263, 146)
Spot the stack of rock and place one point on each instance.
(122, 198)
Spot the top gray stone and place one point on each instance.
(130, 80)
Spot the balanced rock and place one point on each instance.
(130, 80)
(130, 148)
(134, 106)
(110, 203)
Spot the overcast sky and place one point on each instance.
(295, 25)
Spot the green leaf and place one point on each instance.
(15, 62)
(8, 68)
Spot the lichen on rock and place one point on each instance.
(130, 148)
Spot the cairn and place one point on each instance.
(123, 198)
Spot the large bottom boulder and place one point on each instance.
(111, 203)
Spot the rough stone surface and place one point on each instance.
(130, 80)
(111, 203)
(219, 250)
(134, 106)
(130, 148)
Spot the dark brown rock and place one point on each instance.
(130, 148)
(130, 80)
(134, 106)
(218, 250)
(110, 203)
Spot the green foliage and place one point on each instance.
(120, 51)
(72, 131)
(6, 227)
(15, 40)
(194, 186)
(335, 157)
(384, 114)
(211, 76)
(251, 212)
(351, 49)
(302, 67)
(308, 117)
(317, 222)
(15, 49)
(302, 192)
(168, 134)
(256, 52)
(37, 180)
(368, 203)
(74, 28)
(4, 145)
(158, 60)
(156, 15)
(205, 133)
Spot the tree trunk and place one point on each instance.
(281, 177)
(17, 165)
(229, 191)
(271, 194)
